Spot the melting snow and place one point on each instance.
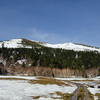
(22, 61)
(22, 90)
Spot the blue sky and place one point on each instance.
(53, 21)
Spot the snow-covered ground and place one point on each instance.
(23, 90)
(21, 77)
(94, 91)
(78, 78)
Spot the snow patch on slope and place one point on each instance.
(21, 61)
(72, 46)
(14, 43)
(11, 43)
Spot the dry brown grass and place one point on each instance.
(12, 79)
(52, 94)
(59, 93)
(56, 98)
(46, 81)
(91, 96)
(37, 97)
(98, 95)
(63, 96)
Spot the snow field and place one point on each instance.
(72, 46)
(94, 91)
(22, 90)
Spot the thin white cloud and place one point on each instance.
(43, 36)
(48, 37)
(39, 34)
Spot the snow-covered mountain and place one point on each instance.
(24, 43)
(19, 43)
(72, 46)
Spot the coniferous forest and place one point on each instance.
(54, 58)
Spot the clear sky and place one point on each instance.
(53, 21)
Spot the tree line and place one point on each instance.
(54, 58)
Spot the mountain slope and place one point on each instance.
(72, 46)
(19, 43)
(24, 43)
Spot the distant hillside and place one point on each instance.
(21, 56)
(24, 43)
(72, 46)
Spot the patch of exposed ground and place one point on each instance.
(45, 81)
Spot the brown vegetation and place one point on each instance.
(46, 81)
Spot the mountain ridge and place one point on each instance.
(25, 43)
